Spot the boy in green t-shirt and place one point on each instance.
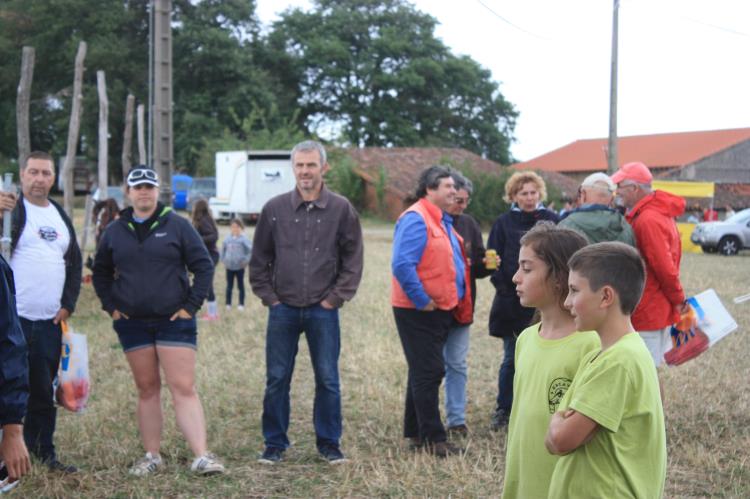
(610, 426)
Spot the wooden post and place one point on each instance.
(73, 128)
(22, 105)
(88, 208)
(127, 144)
(612, 161)
(141, 135)
(101, 88)
(127, 137)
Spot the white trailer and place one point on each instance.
(245, 180)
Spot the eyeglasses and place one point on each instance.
(142, 173)
(462, 201)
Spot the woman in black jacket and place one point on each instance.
(525, 191)
(141, 277)
(206, 227)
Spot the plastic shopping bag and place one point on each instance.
(73, 384)
(688, 339)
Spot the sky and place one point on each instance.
(684, 65)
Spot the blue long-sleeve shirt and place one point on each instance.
(409, 241)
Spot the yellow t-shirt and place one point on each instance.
(544, 371)
(619, 389)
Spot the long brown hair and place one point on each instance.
(554, 246)
(201, 211)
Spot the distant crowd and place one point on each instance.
(583, 302)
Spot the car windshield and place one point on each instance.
(202, 185)
(740, 217)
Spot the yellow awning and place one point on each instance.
(685, 189)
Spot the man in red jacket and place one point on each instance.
(651, 214)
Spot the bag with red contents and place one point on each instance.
(73, 383)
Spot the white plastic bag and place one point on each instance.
(73, 376)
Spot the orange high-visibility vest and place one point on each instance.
(436, 270)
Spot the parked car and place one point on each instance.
(114, 192)
(202, 188)
(727, 237)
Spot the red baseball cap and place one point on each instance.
(636, 172)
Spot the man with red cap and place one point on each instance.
(651, 214)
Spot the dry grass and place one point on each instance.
(707, 407)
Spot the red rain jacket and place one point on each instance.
(658, 240)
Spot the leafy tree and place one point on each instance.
(374, 70)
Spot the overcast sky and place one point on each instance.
(684, 64)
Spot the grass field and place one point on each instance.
(706, 403)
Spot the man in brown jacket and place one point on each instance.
(306, 262)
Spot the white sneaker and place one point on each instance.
(207, 464)
(229, 307)
(146, 465)
(240, 307)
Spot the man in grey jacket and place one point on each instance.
(306, 262)
(595, 218)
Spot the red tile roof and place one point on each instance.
(668, 150)
(404, 164)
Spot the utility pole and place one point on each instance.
(162, 94)
(612, 163)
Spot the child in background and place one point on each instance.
(206, 226)
(609, 427)
(548, 354)
(235, 253)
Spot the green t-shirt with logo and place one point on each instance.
(544, 370)
(627, 457)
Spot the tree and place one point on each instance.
(374, 70)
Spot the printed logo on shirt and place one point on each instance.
(160, 234)
(48, 234)
(557, 389)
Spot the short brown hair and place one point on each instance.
(237, 222)
(612, 264)
(39, 155)
(516, 182)
(554, 246)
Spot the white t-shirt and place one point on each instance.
(38, 262)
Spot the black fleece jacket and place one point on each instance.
(147, 278)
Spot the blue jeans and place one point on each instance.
(454, 352)
(505, 377)
(321, 328)
(44, 339)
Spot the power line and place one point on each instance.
(506, 21)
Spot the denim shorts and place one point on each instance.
(136, 333)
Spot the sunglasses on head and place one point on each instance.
(142, 173)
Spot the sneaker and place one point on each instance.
(207, 465)
(272, 455)
(332, 454)
(442, 449)
(210, 317)
(229, 307)
(240, 307)
(55, 465)
(500, 419)
(146, 465)
(459, 430)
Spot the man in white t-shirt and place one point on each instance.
(46, 263)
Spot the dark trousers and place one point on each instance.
(506, 374)
(44, 339)
(321, 327)
(423, 335)
(231, 276)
